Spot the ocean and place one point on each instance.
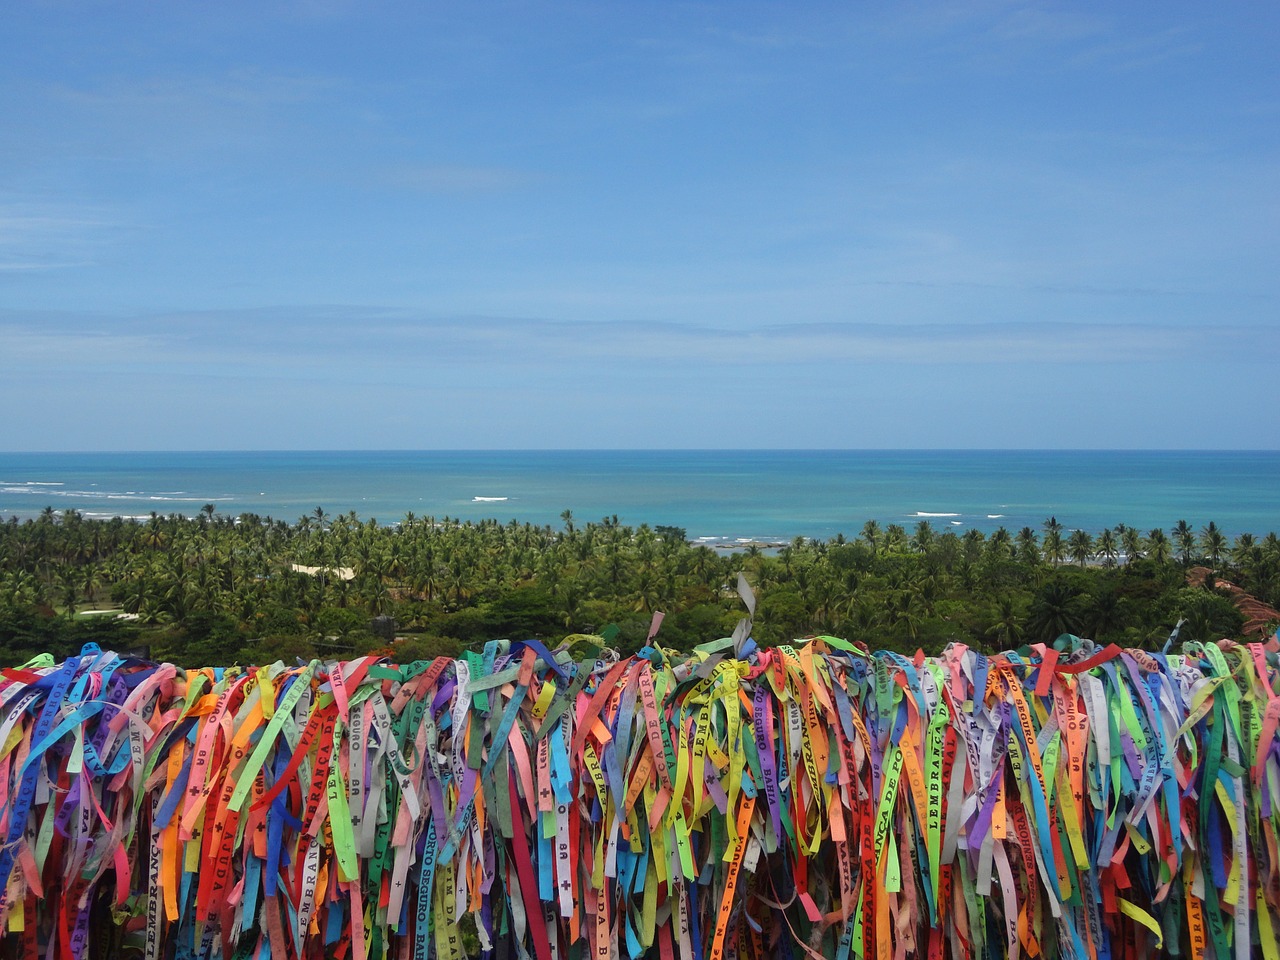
(720, 497)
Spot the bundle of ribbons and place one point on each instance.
(813, 801)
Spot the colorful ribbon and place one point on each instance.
(810, 800)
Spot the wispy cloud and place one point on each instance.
(37, 237)
(999, 34)
(1007, 21)
(458, 179)
(1093, 290)
(164, 114)
(1033, 22)
(19, 266)
(263, 343)
(237, 86)
(1138, 52)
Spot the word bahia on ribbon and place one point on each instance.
(811, 801)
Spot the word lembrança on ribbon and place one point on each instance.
(809, 801)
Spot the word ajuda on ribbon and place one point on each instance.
(810, 801)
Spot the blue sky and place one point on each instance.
(493, 225)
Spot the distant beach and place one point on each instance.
(725, 499)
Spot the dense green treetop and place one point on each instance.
(215, 589)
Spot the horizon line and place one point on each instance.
(481, 450)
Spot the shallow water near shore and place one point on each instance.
(721, 498)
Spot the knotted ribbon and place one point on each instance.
(813, 800)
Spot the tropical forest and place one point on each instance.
(216, 589)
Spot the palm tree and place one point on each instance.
(378, 598)
(1185, 538)
(1028, 547)
(1000, 544)
(69, 588)
(24, 589)
(1006, 629)
(91, 582)
(1245, 553)
(972, 541)
(923, 537)
(1104, 613)
(1213, 543)
(155, 537)
(871, 533)
(1080, 546)
(705, 568)
(647, 589)
(1131, 541)
(861, 618)
(1055, 611)
(928, 589)
(1054, 548)
(905, 613)
(1107, 547)
(570, 596)
(824, 592)
(1159, 548)
(1208, 616)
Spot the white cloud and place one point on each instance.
(343, 342)
(454, 179)
(38, 236)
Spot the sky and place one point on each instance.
(333, 225)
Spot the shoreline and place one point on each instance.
(721, 499)
(722, 545)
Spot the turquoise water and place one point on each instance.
(721, 496)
